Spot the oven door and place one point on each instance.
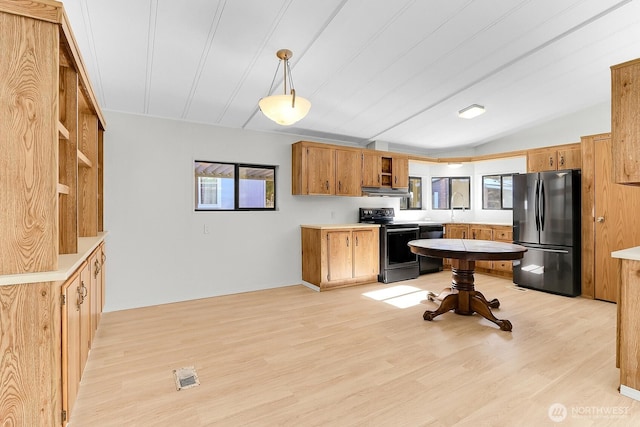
(398, 254)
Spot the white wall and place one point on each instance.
(157, 249)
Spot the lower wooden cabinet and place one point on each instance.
(338, 256)
(499, 233)
(82, 302)
(47, 332)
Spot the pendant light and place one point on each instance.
(284, 109)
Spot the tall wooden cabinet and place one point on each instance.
(51, 145)
(338, 256)
(625, 124)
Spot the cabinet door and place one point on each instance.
(371, 169)
(570, 158)
(320, 170)
(456, 231)
(71, 370)
(85, 315)
(541, 160)
(339, 252)
(95, 290)
(365, 253)
(482, 233)
(400, 168)
(348, 182)
(625, 131)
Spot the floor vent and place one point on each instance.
(517, 288)
(186, 378)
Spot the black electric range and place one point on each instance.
(397, 262)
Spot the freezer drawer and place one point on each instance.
(549, 269)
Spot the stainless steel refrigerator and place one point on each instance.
(546, 219)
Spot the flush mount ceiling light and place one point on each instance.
(454, 165)
(284, 109)
(473, 110)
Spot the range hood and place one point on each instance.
(385, 192)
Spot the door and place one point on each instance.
(398, 252)
(365, 253)
(559, 204)
(400, 169)
(616, 210)
(85, 315)
(525, 208)
(482, 233)
(339, 251)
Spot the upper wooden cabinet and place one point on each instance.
(384, 169)
(554, 158)
(321, 169)
(51, 127)
(625, 123)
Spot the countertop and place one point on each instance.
(338, 226)
(630, 253)
(67, 264)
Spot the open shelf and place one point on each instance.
(83, 161)
(63, 132)
(63, 189)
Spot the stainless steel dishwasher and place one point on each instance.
(428, 264)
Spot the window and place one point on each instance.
(414, 201)
(450, 192)
(234, 186)
(497, 192)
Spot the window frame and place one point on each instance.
(502, 176)
(236, 187)
(405, 200)
(450, 191)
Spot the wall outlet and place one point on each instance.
(205, 229)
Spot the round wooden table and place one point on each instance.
(462, 296)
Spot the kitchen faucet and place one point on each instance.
(456, 193)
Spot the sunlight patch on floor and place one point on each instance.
(401, 296)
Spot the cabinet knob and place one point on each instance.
(600, 219)
(561, 161)
(551, 161)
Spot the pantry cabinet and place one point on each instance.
(625, 125)
(338, 256)
(560, 157)
(51, 184)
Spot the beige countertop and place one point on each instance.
(67, 264)
(338, 226)
(630, 253)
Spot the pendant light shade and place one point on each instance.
(288, 108)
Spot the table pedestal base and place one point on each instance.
(464, 299)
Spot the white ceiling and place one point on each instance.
(374, 70)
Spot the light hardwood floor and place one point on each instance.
(295, 357)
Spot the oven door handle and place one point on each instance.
(401, 230)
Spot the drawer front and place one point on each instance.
(502, 265)
(503, 235)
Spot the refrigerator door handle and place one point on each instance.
(542, 203)
(556, 251)
(535, 205)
